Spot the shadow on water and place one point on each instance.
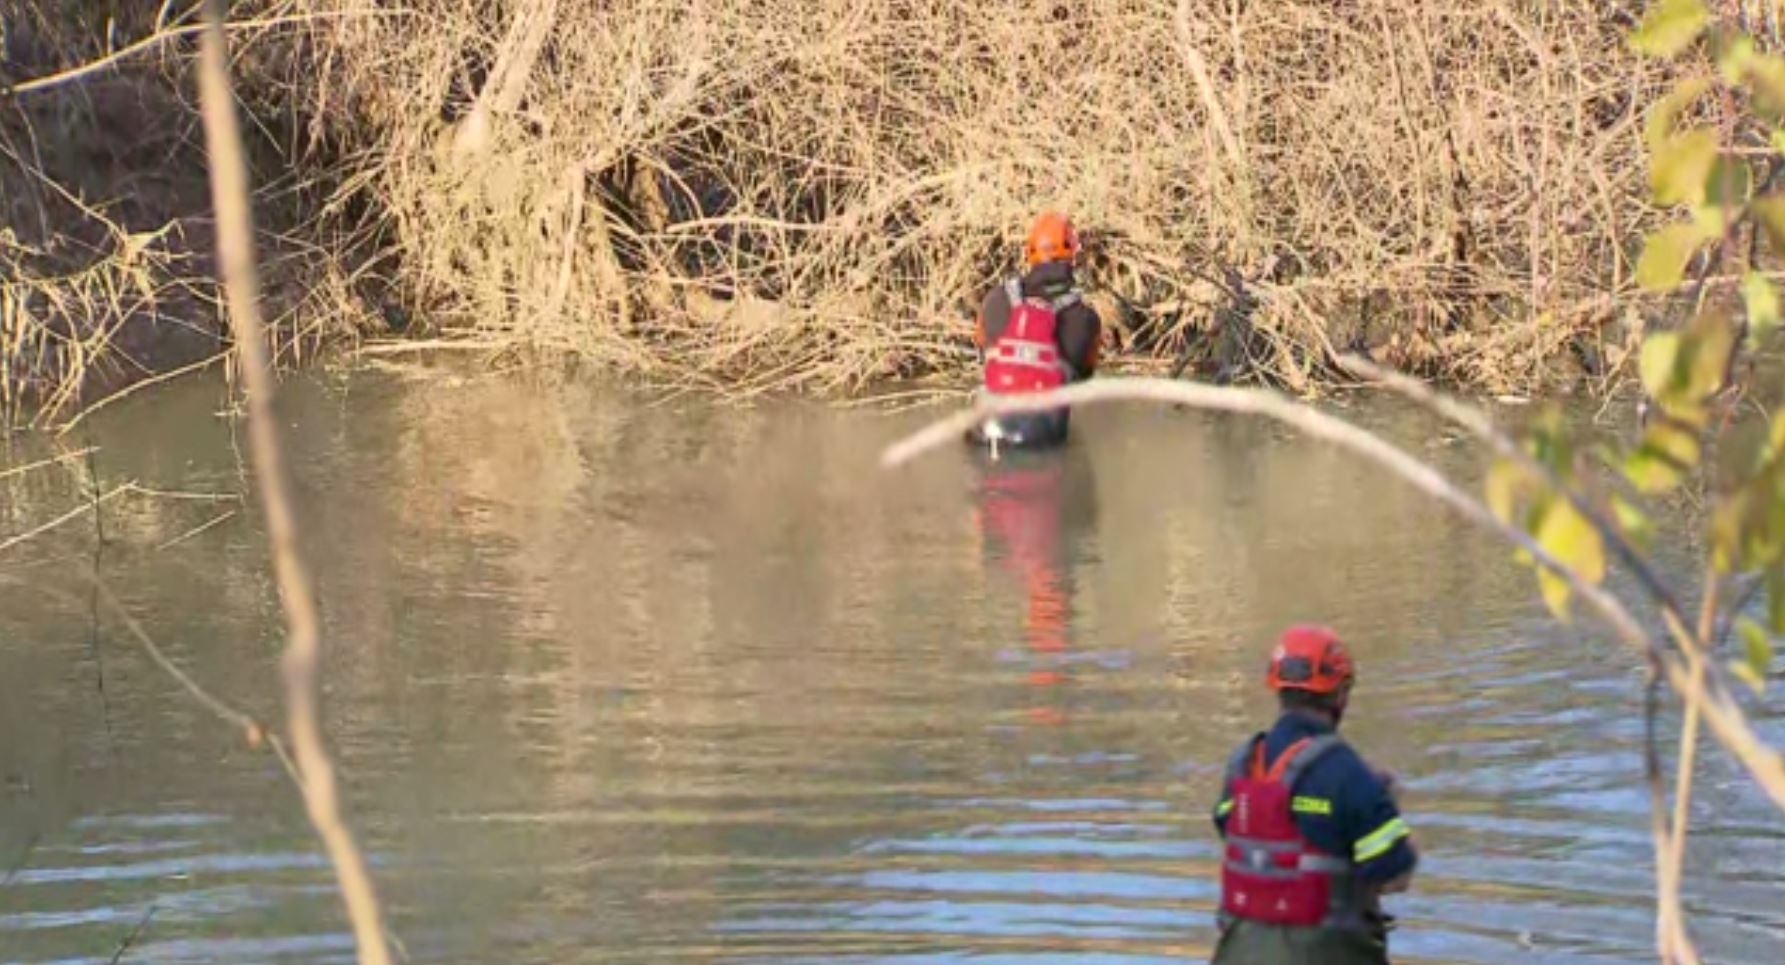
(614, 680)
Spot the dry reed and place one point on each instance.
(105, 275)
(758, 195)
(811, 194)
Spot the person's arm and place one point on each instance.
(1223, 804)
(1081, 338)
(994, 314)
(1381, 842)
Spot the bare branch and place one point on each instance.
(235, 252)
(1506, 447)
(41, 463)
(168, 35)
(1725, 718)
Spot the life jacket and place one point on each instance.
(1269, 872)
(1026, 357)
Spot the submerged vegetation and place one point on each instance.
(754, 195)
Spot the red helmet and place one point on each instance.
(1310, 658)
(1051, 238)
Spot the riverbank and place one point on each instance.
(748, 196)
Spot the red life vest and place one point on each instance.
(1026, 357)
(1269, 872)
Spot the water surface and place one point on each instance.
(619, 680)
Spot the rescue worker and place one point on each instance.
(1035, 332)
(1312, 835)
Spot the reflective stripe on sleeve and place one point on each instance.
(1377, 842)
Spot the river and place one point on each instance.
(614, 679)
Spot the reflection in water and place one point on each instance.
(1027, 506)
(616, 681)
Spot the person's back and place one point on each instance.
(1036, 332)
(1312, 836)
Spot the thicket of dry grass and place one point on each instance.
(811, 194)
(106, 274)
(1426, 176)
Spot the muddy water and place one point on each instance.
(622, 681)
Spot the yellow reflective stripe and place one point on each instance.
(1377, 842)
(1222, 808)
(1311, 805)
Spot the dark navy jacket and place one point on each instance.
(1340, 805)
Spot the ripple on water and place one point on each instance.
(616, 682)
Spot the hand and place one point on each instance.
(1390, 782)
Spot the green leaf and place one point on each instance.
(1775, 597)
(1665, 254)
(1670, 27)
(1745, 673)
(1548, 441)
(1769, 211)
(1766, 78)
(1727, 188)
(1681, 166)
(1777, 140)
(1658, 127)
(1659, 361)
(1572, 540)
(1734, 55)
(1661, 462)
(1501, 489)
(1757, 654)
(1726, 534)
(1710, 339)
(1762, 302)
(1632, 522)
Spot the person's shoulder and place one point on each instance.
(1341, 764)
(1080, 304)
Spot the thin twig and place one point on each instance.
(168, 35)
(41, 463)
(24, 858)
(1477, 422)
(135, 933)
(202, 528)
(74, 513)
(1205, 86)
(95, 641)
(235, 252)
(252, 730)
(188, 496)
(137, 386)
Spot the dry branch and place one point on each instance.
(235, 251)
(811, 210)
(1725, 718)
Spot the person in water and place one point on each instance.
(1312, 835)
(1035, 332)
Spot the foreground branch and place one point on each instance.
(235, 252)
(1725, 718)
(1669, 838)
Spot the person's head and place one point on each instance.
(1311, 671)
(1051, 238)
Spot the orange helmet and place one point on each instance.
(1310, 658)
(1051, 238)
